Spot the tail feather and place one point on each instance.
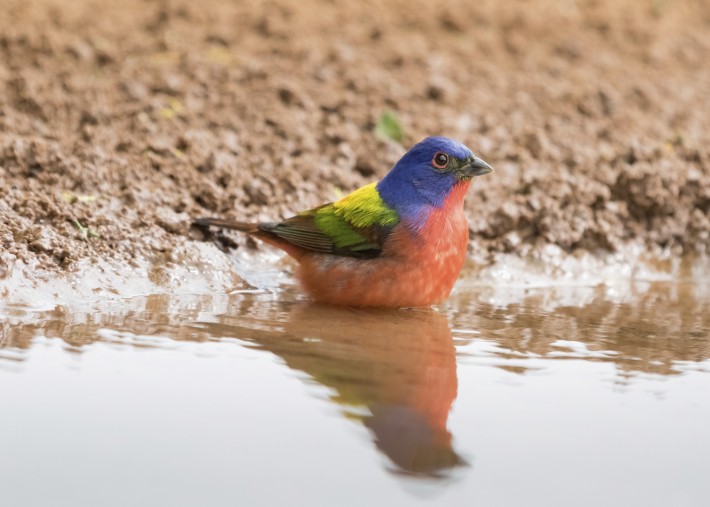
(227, 224)
(261, 231)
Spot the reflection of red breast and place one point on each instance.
(435, 390)
(432, 384)
(415, 269)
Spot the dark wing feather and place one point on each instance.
(303, 231)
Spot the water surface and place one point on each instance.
(550, 396)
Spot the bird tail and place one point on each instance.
(227, 224)
(261, 231)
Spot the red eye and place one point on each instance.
(440, 160)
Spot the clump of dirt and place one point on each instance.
(121, 121)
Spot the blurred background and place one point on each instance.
(121, 121)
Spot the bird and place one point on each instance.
(400, 242)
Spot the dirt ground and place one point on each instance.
(121, 121)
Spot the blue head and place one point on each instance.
(425, 176)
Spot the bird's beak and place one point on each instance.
(476, 167)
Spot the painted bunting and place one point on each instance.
(399, 242)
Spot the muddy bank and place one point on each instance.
(121, 122)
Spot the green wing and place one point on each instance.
(356, 225)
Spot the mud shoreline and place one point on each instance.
(121, 123)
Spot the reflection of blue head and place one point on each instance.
(408, 439)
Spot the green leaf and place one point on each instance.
(85, 233)
(389, 127)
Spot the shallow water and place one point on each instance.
(547, 396)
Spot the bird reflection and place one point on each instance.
(398, 365)
(393, 370)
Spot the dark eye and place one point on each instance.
(440, 160)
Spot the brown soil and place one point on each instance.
(130, 118)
